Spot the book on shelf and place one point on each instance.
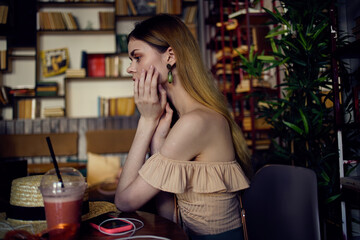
(190, 14)
(22, 91)
(107, 20)
(132, 8)
(118, 106)
(121, 43)
(171, 7)
(3, 14)
(112, 66)
(3, 60)
(121, 8)
(27, 108)
(96, 65)
(57, 21)
(70, 21)
(103, 65)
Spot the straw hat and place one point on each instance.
(27, 211)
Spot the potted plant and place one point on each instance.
(303, 127)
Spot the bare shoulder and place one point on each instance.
(193, 133)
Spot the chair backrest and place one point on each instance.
(35, 145)
(282, 204)
(110, 141)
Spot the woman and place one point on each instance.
(194, 158)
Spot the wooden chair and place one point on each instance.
(101, 144)
(282, 204)
(109, 141)
(22, 146)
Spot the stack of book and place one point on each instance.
(107, 20)
(121, 106)
(54, 112)
(57, 21)
(22, 91)
(75, 73)
(47, 89)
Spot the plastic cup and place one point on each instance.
(63, 204)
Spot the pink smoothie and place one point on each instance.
(63, 210)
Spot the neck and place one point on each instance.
(181, 99)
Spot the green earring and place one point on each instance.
(170, 76)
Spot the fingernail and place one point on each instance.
(151, 66)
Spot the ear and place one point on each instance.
(170, 56)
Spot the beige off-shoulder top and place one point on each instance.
(206, 191)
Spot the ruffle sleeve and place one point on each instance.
(201, 177)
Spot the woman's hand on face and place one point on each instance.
(162, 129)
(149, 98)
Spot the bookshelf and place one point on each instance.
(100, 28)
(234, 28)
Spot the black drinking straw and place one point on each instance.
(54, 161)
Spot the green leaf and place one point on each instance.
(294, 127)
(317, 33)
(306, 124)
(266, 58)
(333, 198)
(324, 175)
(273, 45)
(251, 56)
(274, 34)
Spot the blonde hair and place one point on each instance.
(163, 31)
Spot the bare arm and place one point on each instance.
(151, 106)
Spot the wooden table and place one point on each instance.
(153, 225)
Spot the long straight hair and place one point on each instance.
(163, 31)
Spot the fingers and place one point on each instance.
(136, 89)
(163, 99)
(141, 85)
(148, 83)
(169, 112)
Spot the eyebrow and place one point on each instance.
(133, 52)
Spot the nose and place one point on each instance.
(131, 69)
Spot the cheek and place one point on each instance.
(163, 77)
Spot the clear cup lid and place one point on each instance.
(72, 180)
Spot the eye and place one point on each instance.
(137, 58)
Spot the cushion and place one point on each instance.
(102, 168)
